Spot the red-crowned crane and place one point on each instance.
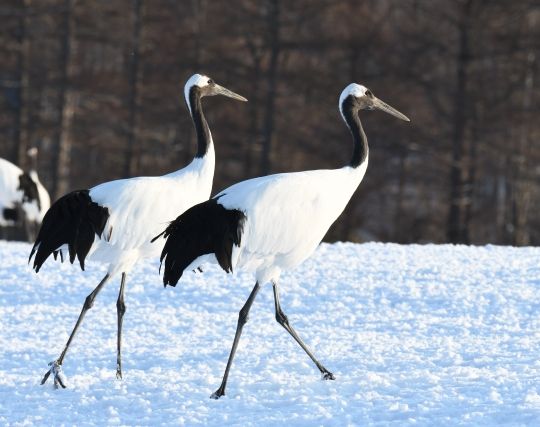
(272, 223)
(125, 214)
(22, 194)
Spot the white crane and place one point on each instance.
(22, 193)
(272, 223)
(125, 214)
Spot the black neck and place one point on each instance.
(349, 110)
(32, 162)
(201, 126)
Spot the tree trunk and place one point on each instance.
(130, 166)
(268, 131)
(457, 231)
(21, 131)
(399, 235)
(199, 8)
(470, 181)
(253, 139)
(522, 193)
(68, 102)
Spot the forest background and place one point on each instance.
(97, 87)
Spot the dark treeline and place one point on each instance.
(97, 87)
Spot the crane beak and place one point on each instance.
(220, 90)
(383, 106)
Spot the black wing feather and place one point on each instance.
(29, 189)
(74, 219)
(203, 229)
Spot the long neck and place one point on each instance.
(350, 114)
(204, 137)
(33, 162)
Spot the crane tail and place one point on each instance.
(203, 229)
(73, 220)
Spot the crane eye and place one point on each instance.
(368, 93)
(210, 82)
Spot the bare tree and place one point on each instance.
(134, 83)
(273, 20)
(68, 104)
(21, 131)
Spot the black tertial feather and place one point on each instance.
(203, 229)
(29, 189)
(11, 214)
(74, 219)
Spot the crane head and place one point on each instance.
(201, 85)
(363, 99)
(32, 152)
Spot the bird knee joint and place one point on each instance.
(120, 306)
(242, 317)
(281, 317)
(89, 302)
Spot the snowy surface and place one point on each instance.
(415, 335)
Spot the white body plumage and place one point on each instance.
(140, 207)
(287, 215)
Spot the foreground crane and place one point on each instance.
(125, 214)
(272, 223)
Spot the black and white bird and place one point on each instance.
(270, 224)
(23, 198)
(125, 214)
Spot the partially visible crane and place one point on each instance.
(23, 198)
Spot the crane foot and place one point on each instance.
(217, 394)
(58, 375)
(327, 375)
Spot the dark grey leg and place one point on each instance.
(242, 319)
(284, 321)
(120, 310)
(56, 365)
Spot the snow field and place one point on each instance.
(415, 335)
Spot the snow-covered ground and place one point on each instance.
(415, 335)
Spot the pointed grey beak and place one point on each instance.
(220, 90)
(380, 105)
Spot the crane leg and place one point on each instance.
(120, 310)
(242, 319)
(283, 320)
(56, 366)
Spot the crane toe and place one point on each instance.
(328, 376)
